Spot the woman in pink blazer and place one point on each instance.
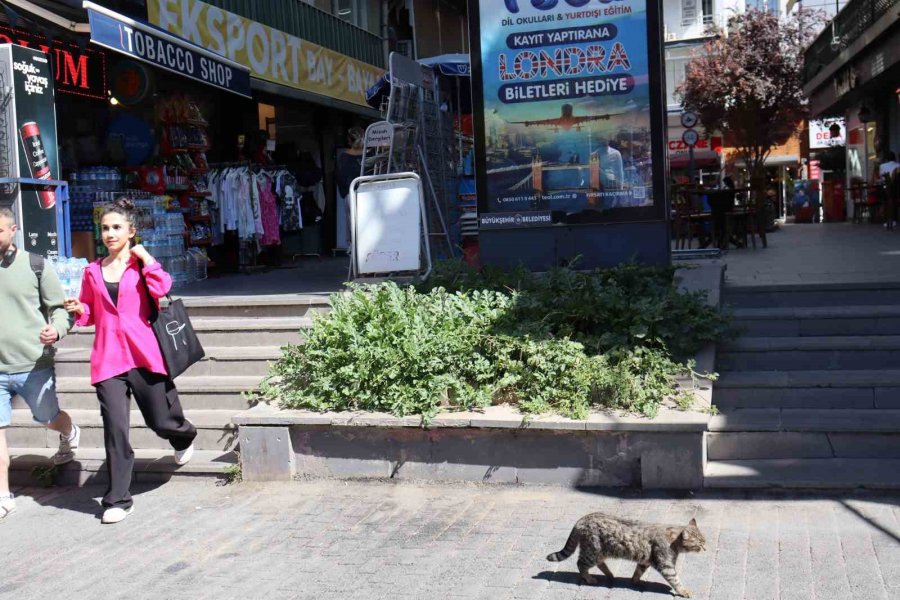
(126, 359)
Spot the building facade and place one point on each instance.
(852, 70)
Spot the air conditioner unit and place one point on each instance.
(405, 47)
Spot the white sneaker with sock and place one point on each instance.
(67, 446)
(115, 514)
(7, 505)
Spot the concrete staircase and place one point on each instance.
(809, 395)
(240, 334)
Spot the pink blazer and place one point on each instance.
(123, 338)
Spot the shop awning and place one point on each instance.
(161, 49)
(450, 65)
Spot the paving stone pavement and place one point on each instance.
(373, 540)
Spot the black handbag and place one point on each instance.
(178, 342)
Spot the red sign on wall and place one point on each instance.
(77, 70)
(815, 169)
(713, 143)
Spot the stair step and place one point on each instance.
(214, 430)
(269, 331)
(809, 295)
(186, 384)
(278, 305)
(835, 389)
(221, 392)
(863, 352)
(250, 361)
(836, 342)
(857, 378)
(790, 419)
(811, 360)
(816, 398)
(811, 473)
(89, 466)
(747, 445)
(818, 321)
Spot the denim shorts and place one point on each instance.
(36, 388)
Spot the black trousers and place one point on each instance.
(157, 399)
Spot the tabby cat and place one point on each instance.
(603, 536)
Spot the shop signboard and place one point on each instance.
(270, 54)
(77, 70)
(140, 41)
(815, 170)
(566, 93)
(822, 136)
(30, 152)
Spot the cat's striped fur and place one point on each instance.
(601, 536)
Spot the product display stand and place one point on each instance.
(63, 239)
(421, 142)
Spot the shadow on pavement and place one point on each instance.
(870, 521)
(572, 578)
(84, 499)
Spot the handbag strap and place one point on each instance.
(154, 306)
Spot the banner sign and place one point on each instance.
(566, 113)
(677, 146)
(820, 133)
(77, 70)
(30, 151)
(270, 54)
(135, 39)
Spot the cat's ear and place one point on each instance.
(693, 523)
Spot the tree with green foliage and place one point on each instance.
(748, 83)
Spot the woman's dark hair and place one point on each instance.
(120, 206)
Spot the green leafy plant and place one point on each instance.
(233, 473)
(563, 341)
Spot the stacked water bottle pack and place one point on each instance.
(161, 232)
(69, 271)
(186, 268)
(88, 187)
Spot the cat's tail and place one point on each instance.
(568, 550)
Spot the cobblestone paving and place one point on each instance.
(336, 540)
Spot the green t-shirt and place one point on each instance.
(21, 317)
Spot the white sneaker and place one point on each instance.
(7, 505)
(183, 457)
(67, 447)
(114, 515)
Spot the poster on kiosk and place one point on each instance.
(28, 147)
(570, 129)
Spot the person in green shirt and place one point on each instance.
(26, 354)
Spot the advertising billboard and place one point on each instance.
(564, 100)
(28, 149)
(821, 136)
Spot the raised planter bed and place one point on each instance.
(498, 445)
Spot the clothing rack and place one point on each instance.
(226, 165)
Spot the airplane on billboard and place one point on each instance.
(565, 121)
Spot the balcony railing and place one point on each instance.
(698, 27)
(311, 24)
(849, 24)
